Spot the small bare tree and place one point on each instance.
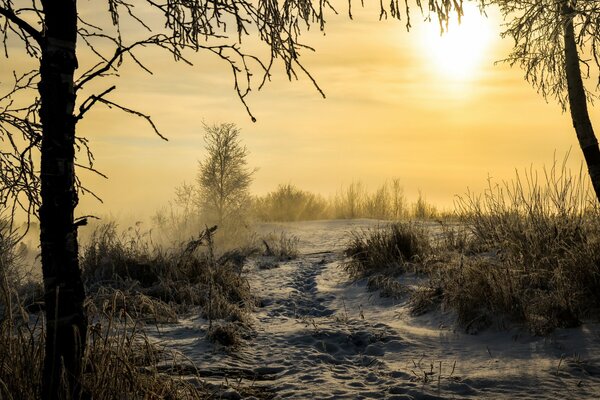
(398, 205)
(224, 177)
(554, 39)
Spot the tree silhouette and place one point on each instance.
(57, 99)
(49, 31)
(550, 38)
(223, 177)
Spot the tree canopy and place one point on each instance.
(223, 176)
(537, 28)
(557, 45)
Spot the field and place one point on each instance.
(499, 299)
(317, 335)
(302, 323)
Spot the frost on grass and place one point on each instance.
(523, 252)
(318, 335)
(154, 281)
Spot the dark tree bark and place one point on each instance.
(578, 102)
(64, 292)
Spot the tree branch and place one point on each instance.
(91, 75)
(148, 119)
(30, 30)
(90, 101)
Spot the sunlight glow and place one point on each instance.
(459, 51)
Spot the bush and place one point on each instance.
(540, 262)
(349, 202)
(189, 275)
(387, 202)
(391, 249)
(282, 247)
(288, 203)
(424, 210)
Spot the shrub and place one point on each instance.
(288, 203)
(151, 278)
(387, 202)
(349, 202)
(392, 249)
(424, 210)
(282, 247)
(540, 238)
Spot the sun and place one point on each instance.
(458, 51)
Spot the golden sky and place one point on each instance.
(434, 112)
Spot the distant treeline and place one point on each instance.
(187, 213)
(387, 202)
(221, 196)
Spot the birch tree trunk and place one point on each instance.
(64, 293)
(578, 102)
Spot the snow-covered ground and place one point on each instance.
(318, 336)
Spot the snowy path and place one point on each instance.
(318, 337)
(321, 352)
(306, 349)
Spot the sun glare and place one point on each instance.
(458, 51)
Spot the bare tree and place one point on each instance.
(224, 177)
(46, 124)
(58, 98)
(398, 205)
(553, 40)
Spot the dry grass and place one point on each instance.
(388, 286)
(288, 203)
(425, 299)
(282, 247)
(391, 250)
(119, 362)
(525, 251)
(537, 240)
(226, 334)
(150, 281)
(21, 355)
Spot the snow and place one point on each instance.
(319, 336)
